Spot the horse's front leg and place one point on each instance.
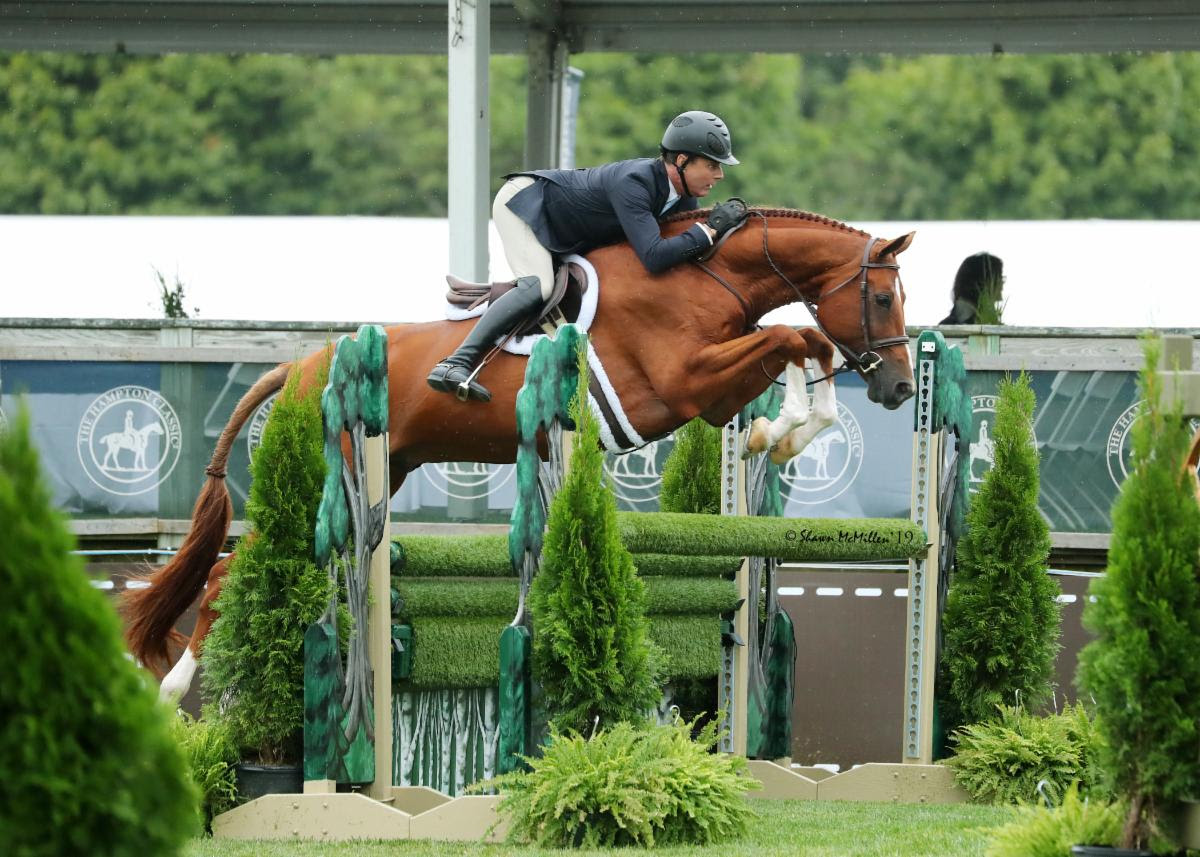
(793, 412)
(824, 414)
(824, 406)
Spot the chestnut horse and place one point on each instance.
(677, 345)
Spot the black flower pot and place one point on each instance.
(258, 780)
(1107, 851)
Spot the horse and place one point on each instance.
(677, 345)
(135, 440)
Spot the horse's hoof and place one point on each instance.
(782, 452)
(756, 442)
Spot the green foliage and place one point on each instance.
(1146, 613)
(629, 786)
(1003, 760)
(211, 756)
(171, 297)
(833, 539)
(861, 138)
(691, 477)
(1042, 832)
(87, 762)
(254, 655)
(1001, 622)
(990, 309)
(591, 651)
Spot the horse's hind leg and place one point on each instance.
(178, 681)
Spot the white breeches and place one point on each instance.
(525, 254)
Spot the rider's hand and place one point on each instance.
(712, 233)
(726, 216)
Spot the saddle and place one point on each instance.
(562, 307)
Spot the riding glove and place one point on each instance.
(727, 215)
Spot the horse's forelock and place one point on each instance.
(786, 213)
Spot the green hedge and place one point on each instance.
(788, 539)
(692, 645)
(689, 596)
(456, 652)
(671, 565)
(456, 597)
(659, 541)
(465, 652)
(452, 556)
(490, 598)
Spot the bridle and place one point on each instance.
(866, 362)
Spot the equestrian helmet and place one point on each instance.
(699, 133)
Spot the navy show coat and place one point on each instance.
(574, 211)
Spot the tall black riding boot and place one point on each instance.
(454, 373)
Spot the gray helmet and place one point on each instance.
(699, 133)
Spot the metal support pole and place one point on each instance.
(469, 174)
(547, 53)
(920, 637)
(735, 658)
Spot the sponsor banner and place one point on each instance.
(132, 440)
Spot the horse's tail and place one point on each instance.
(151, 612)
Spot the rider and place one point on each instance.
(542, 214)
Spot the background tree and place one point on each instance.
(1146, 613)
(254, 655)
(858, 138)
(592, 653)
(87, 762)
(1001, 621)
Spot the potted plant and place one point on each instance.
(1145, 612)
(254, 655)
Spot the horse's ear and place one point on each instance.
(898, 245)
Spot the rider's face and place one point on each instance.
(702, 173)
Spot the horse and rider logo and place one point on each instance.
(468, 480)
(636, 475)
(258, 422)
(128, 440)
(829, 465)
(983, 447)
(1118, 449)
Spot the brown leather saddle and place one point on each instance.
(570, 284)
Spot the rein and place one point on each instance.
(864, 363)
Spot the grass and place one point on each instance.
(801, 828)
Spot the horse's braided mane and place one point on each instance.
(808, 216)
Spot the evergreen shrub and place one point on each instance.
(628, 786)
(691, 477)
(1001, 622)
(254, 655)
(211, 755)
(1003, 760)
(591, 649)
(1142, 670)
(87, 761)
(1040, 831)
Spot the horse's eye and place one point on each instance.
(883, 300)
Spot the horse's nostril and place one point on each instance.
(904, 388)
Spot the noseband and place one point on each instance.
(864, 363)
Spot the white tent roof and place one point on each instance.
(353, 269)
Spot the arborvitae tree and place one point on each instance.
(87, 761)
(1142, 670)
(254, 655)
(691, 480)
(1002, 621)
(592, 653)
